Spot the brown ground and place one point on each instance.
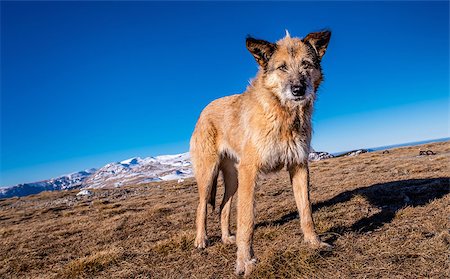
(387, 216)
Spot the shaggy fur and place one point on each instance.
(266, 128)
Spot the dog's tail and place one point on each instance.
(212, 192)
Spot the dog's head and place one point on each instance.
(291, 66)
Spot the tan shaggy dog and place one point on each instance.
(266, 128)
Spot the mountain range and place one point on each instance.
(131, 171)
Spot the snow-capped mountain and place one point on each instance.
(140, 170)
(69, 181)
(134, 171)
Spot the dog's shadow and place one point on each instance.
(388, 197)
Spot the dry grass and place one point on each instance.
(387, 216)
(91, 264)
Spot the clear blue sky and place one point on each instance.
(87, 83)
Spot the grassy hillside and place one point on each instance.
(387, 216)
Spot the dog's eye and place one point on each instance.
(307, 65)
(282, 68)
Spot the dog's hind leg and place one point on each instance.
(206, 171)
(230, 178)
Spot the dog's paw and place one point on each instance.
(231, 239)
(317, 244)
(201, 242)
(245, 267)
(323, 246)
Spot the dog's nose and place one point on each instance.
(298, 90)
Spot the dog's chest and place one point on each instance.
(285, 144)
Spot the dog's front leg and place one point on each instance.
(247, 175)
(300, 182)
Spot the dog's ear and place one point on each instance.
(319, 41)
(260, 49)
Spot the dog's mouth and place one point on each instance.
(299, 99)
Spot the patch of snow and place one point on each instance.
(317, 156)
(176, 175)
(152, 179)
(353, 153)
(131, 161)
(84, 192)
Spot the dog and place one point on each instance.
(262, 130)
